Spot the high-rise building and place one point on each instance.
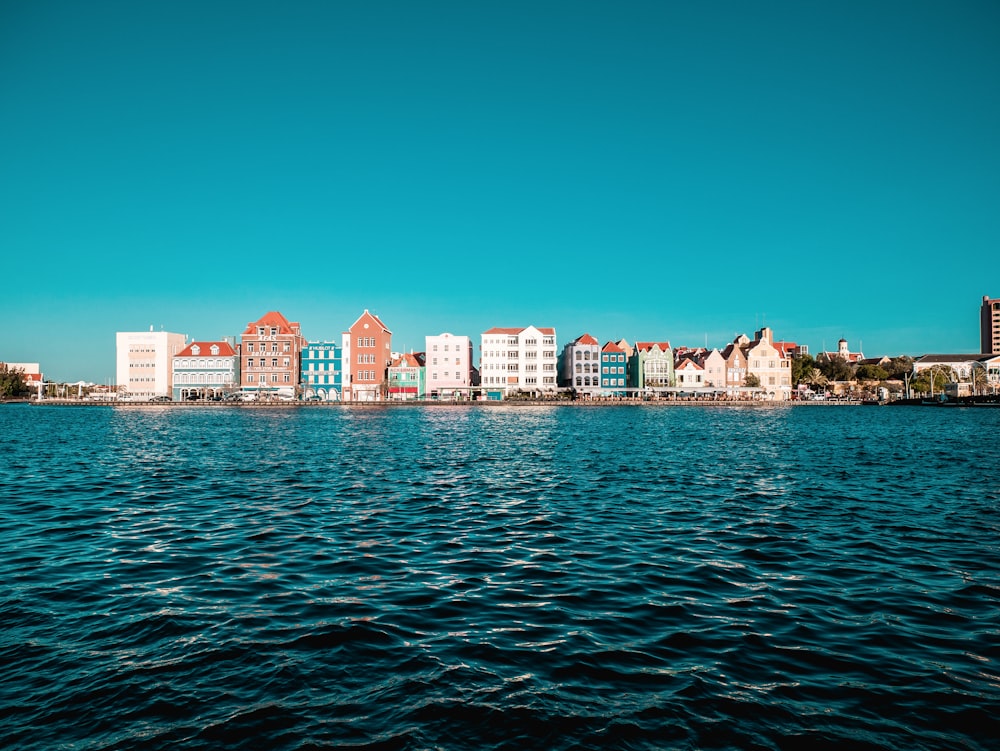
(989, 326)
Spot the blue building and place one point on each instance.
(321, 371)
(614, 369)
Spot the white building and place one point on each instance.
(144, 362)
(518, 359)
(449, 368)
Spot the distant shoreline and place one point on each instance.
(586, 403)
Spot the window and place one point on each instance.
(274, 331)
(249, 362)
(274, 362)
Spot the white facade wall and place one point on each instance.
(448, 364)
(144, 362)
(581, 366)
(518, 359)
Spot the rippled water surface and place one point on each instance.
(499, 578)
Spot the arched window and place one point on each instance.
(579, 381)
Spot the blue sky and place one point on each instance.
(648, 170)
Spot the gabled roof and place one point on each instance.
(612, 347)
(410, 360)
(225, 349)
(272, 318)
(786, 348)
(585, 339)
(687, 363)
(373, 317)
(646, 346)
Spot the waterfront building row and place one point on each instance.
(273, 359)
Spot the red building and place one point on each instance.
(271, 350)
(367, 356)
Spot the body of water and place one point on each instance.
(499, 578)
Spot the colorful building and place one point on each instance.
(614, 369)
(652, 366)
(450, 371)
(271, 349)
(206, 370)
(320, 376)
(407, 376)
(366, 355)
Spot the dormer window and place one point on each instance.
(215, 349)
(196, 350)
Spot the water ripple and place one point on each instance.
(499, 578)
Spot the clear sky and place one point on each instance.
(650, 170)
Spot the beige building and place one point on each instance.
(770, 365)
(144, 362)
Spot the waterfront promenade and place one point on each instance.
(272, 404)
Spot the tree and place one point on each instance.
(899, 367)
(836, 368)
(980, 382)
(752, 381)
(922, 381)
(869, 372)
(803, 369)
(12, 384)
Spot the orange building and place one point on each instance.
(271, 350)
(367, 354)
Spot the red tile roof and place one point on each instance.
(225, 350)
(585, 339)
(611, 347)
(272, 318)
(645, 346)
(687, 363)
(409, 360)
